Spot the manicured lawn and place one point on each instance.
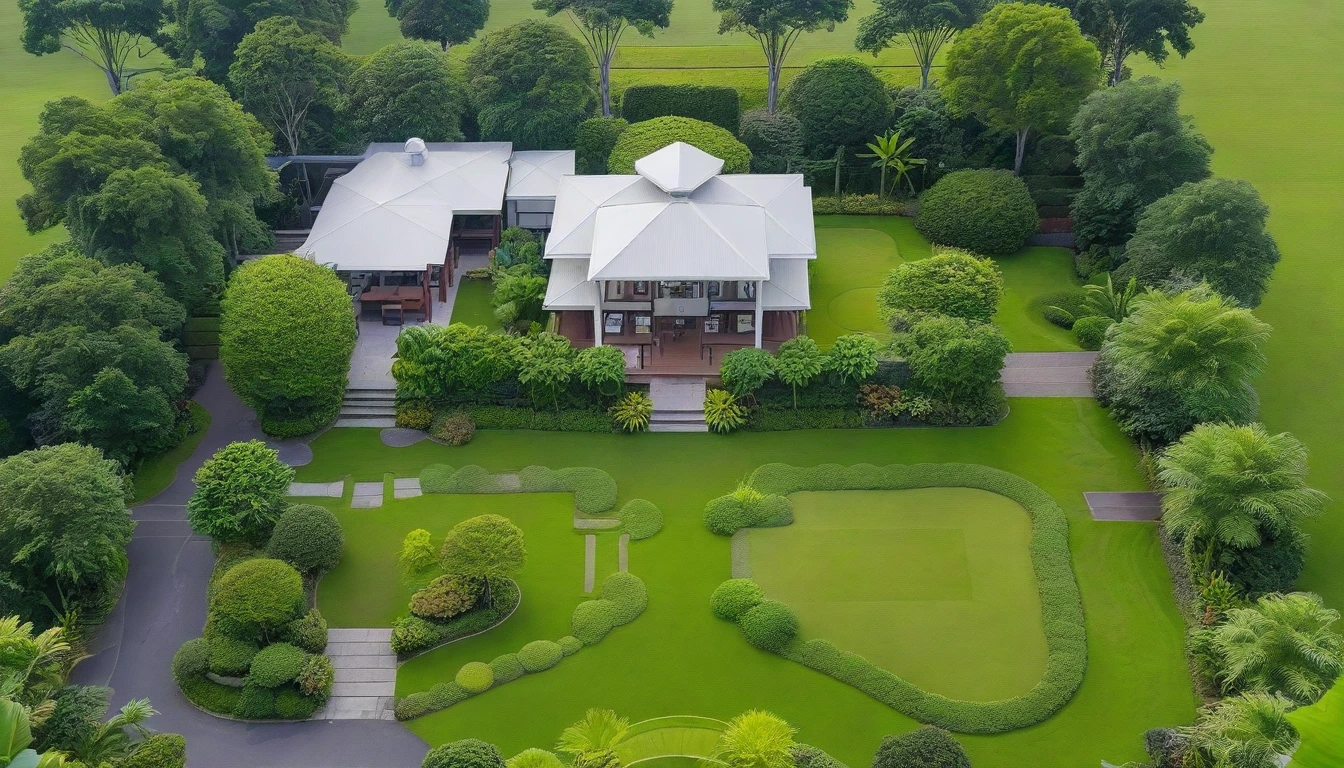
(472, 305)
(157, 473)
(678, 659)
(934, 584)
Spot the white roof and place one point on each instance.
(569, 287)
(678, 168)
(535, 174)
(390, 214)
(787, 288)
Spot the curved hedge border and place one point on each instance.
(1061, 603)
(623, 598)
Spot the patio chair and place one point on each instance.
(392, 313)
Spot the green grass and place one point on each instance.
(933, 584)
(855, 253)
(472, 304)
(158, 472)
(678, 659)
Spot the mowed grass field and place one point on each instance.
(472, 304)
(934, 584)
(678, 659)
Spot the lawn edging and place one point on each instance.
(1051, 560)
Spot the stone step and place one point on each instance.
(366, 675)
(344, 648)
(373, 411)
(366, 422)
(678, 426)
(349, 690)
(677, 416)
(358, 635)
(372, 391)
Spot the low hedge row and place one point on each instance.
(623, 598)
(273, 691)
(860, 205)
(516, 417)
(412, 635)
(594, 490)
(762, 419)
(1061, 603)
(712, 103)
(732, 512)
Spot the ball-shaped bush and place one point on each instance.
(240, 493)
(1091, 331)
(649, 136)
(628, 596)
(307, 537)
(535, 758)
(641, 518)
(467, 753)
(952, 282)
(841, 102)
(570, 645)
(735, 597)
(475, 676)
(191, 660)
(540, 654)
(772, 510)
(316, 677)
(984, 211)
(507, 668)
(276, 665)
(230, 657)
(308, 632)
(926, 747)
(159, 750)
(725, 515)
(255, 599)
(592, 620)
(770, 626)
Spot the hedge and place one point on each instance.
(507, 668)
(1091, 331)
(1061, 604)
(594, 490)
(735, 597)
(593, 142)
(516, 417)
(159, 750)
(715, 104)
(540, 655)
(770, 625)
(728, 514)
(475, 677)
(641, 519)
(984, 211)
(276, 665)
(645, 138)
(412, 634)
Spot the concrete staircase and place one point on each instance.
(369, 407)
(678, 404)
(366, 675)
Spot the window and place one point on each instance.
(641, 287)
(613, 323)
(715, 289)
(643, 323)
(748, 289)
(679, 290)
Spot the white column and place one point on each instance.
(597, 313)
(760, 315)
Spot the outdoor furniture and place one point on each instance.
(413, 305)
(392, 313)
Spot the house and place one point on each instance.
(680, 263)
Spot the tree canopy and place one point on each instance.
(104, 34)
(446, 22)
(650, 136)
(214, 28)
(1123, 27)
(404, 90)
(840, 102)
(776, 26)
(240, 493)
(601, 24)
(924, 25)
(926, 747)
(1282, 644)
(1021, 68)
(952, 282)
(487, 547)
(952, 358)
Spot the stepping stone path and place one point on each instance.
(406, 488)
(330, 490)
(367, 495)
(1139, 506)
(623, 553)
(366, 675)
(1048, 374)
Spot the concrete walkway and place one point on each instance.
(1132, 506)
(366, 675)
(1048, 374)
(163, 606)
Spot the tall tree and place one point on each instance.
(1283, 644)
(1022, 67)
(405, 90)
(601, 24)
(486, 547)
(446, 22)
(925, 25)
(281, 73)
(776, 25)
(105, 34)
(213, 29)
(1124, 27)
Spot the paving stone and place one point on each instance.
(595, 523)
(356, 649)
(623, 553)
(358, 635)
(406, 488)
(330, 490)
(348, 690)
(589, 562)
(367, 495)
(400, 437)
(366, 675)
(1132, 506)
(369, 661)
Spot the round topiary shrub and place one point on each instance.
(231, 657)
(535, 758)
(952, 282)
(506, 668)
(240, 493)
(191, 660)
(926, 747)
(773, 510)
(255, 703)
(592, 620)
(983, 211)
(308, 632)
(159, 750)
(1091, 331)
(292, 705)
(455, 429)
(467, 753)
(255, 599)
(726, 515)
(570, 645)
(840, 102)
(540, 654)
(770, 625)
(735, 597)
(307, 537)
(276, 665)
(645, 138)
(641, 519)
(628, 597)
(475, 676)
(446, 597)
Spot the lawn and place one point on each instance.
(933, 584)
(472, 304)
(678, 659)
(157, 473)
(855, 253)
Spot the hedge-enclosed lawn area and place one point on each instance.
(932, 584)
(472, 304)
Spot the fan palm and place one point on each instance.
(1247, 731)
(1108, 302)
(756, 739)
(1284, 645)
(599, 731)
(892, 154)
(114, 740)
(1229, 486)
(32, 666)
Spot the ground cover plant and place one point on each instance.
(771, 625)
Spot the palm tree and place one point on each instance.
(1230, 486)
(893, 154)
(596, 734)
(756, 739)
(1247, 731)
(32, 667)
(112, 741)
(15, 736)
(1282, 645)
(1108, 302)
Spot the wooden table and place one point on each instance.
(397, 293)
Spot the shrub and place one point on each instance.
(840, 102)
(419, 556)
(722, 412)
(1058, 316)
(292, 705)
(286, 335)
(456, 428)
(769, 625)
(506, 668)
(645, 138)
(255, 703)
(601, 369)
(983, 211)
(307, 537)
(276, 665)
(540, 655)
(725, 515)
(953, 359)
(1272, 566)
(593, 143)
(715, 104)
(414, 414)
(445, 597)
(881, 402)
(255, 599)
(535, 758)
(775, 140)
(514, 417)
(192, 660)
(439, 697)
(475, 676)
(467, 753)
(633, 412)
(799, 361)
(411, 634)
(808, 756)
(926, 747)
(230, 657)
(952, 282)
(641, 519)
(158, 750)
(308, 632)
(240, 493)
(592, 620)
(852, 357)
(315, 678)
(735, 597)
(594, 490)
(772, 511)
(628, 596)
(570, 645)
(746, 370)
(859, 205)
(1091, 331)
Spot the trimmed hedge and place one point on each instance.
(592, 620)
(594, 490)
(1061, 603)
(518, 417)
(475, 677)
(1091, 331)
(627, 593)
(645, 138)
(593, 142)
(230, 657)
(570, 645)
(715, 104)
(540, 655)
(307, 537)
(412, 634)
(770, 625)
(641, 519)
(308, 632)
(728, 514)
(984, 211)
(735, 597)
(507, 668)
(276, 665)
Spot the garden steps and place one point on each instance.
(365, 675)
(368, 407)
(678, 404)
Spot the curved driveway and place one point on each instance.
(164, 605)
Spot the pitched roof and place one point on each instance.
(678, 168)
(536, 174)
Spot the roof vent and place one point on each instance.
(416, 149)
